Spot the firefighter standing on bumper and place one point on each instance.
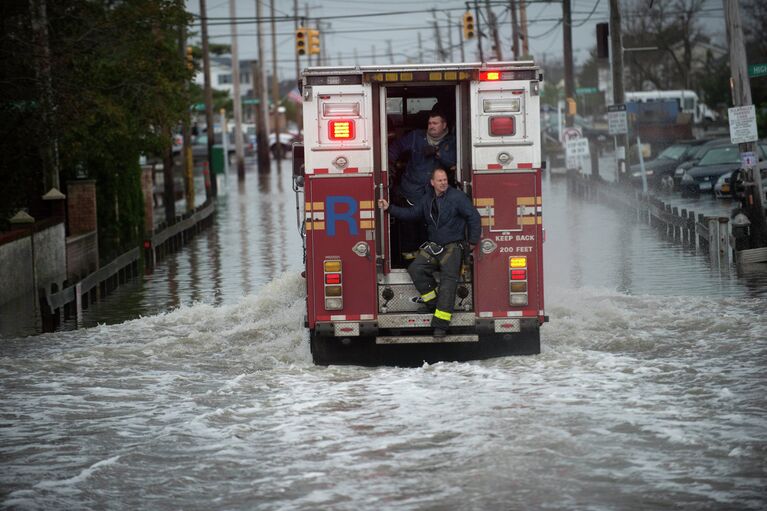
(447, 211)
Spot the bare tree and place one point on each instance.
(675, 29)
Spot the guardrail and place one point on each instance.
(167, 239)
(72, 299)
(86, 291)
(710, 233)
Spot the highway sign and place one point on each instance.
(755, 70)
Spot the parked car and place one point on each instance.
(663, 166)
(200, 147)
(718, 160)
(676, 179)
(724, 186)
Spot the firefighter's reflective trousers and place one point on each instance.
(422, 269)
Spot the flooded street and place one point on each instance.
(193, 388)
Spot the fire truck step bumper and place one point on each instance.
(413, 339)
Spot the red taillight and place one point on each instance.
(490, 76)
(500, 126)
(332, 278)
(518, 274)
(341, 130)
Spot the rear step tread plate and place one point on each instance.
(423, 339)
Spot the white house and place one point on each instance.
(221, 75)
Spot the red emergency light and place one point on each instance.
(332, 278)
(342, 129)
(518, 274)
(489, 76)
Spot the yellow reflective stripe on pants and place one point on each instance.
(427, 297)
(443, 315)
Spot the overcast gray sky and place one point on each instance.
(370, 26)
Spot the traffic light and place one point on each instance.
(468, 25)
(189, 58)
(603, 48)
(314, 41)
(572, 106)
(301, 40)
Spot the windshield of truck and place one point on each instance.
(720, 155)
(674, 152)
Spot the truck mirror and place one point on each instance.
(298, 160)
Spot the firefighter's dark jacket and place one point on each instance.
(455, 212)
(423, 160)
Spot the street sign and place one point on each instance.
(581, 91)
(576, 150)
(617, 123)
(743, 124)
(748, 160)
(570, 133)
(756, 70)
(250, 101)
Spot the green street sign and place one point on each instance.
(250, 101)
(755, 70)
(199, 107)
(580, 91)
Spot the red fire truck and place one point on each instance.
(362, 307)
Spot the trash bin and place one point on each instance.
(217, 166)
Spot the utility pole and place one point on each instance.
(236, 100)
(391, 52)
(208, 95)
(49, 147)
(567, 36)
(449, 37)
(275, 88)
(373, 53)
(493, 26)
(440, 49)
(514, 29)
(478, 30)
(460, 40)
(616, 58)
(186, 156)
(299, 117)
(523, 23)
(420, 49)
(259, 84)
(741, 96)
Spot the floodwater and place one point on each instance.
(196, 390)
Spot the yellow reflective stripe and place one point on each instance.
(442, 315)
(484, 201)
(367, 224)
(431, 295)
(367, 204)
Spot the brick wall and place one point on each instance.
(81, 206)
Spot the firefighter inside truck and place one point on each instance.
(407, 109)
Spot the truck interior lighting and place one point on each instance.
(341, 130)
(501, 126)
